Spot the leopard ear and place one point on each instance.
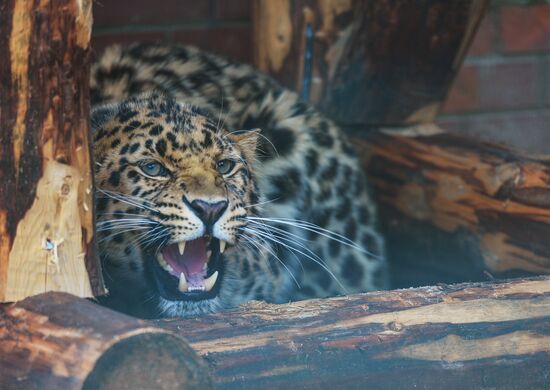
(247, 141)
(102, 114)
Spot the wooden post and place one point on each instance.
(46, 189)
(373, 62)
(58, 341)
(465, 336)
(452, 207)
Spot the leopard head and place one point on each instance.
(173, 193)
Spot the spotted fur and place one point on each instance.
(187, 109)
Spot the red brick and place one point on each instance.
(234, 42)
(463, 95)
(525, 29)
(495, 85)
(109, 13)
(100, 42)
(521, 130)
(484, 38)
(234, 9)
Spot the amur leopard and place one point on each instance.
(217, 186)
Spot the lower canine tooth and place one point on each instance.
(222, 246)
(181, 247)
(182, 286)
(211, 281)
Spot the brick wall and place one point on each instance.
(221, 26)
(501, 93)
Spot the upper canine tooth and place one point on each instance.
(222, 246)
(182, 286)
(211, 281)
(181, 247)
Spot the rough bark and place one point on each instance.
(466, 336)
(458, 205)
(46, 206)
(59, 341)
(373, 62)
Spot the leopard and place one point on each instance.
(217, 186)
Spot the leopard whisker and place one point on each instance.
(284, 235)
(315, 229)
(266, 246)
(261, 203)
(290, 248)
(117, 233)
(124, 198)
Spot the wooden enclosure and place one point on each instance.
(59, 341)
(366, 62)
(46, 187)
(455, 208)
(464, 336)
(452, 208)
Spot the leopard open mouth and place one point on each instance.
(190, 270)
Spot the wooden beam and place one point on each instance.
(59, 341)
(46, 187)
(465, 336)
(458, 205)
(372, 62)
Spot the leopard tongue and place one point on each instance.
(191, 263)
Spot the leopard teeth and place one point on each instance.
(210, 282)
(163, 263)
(181, 247)
(222, 245)
(182, 285)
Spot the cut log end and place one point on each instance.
(57, 340)
(148, 361)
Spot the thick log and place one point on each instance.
(46, 207)
(58, 341)
(466, 336)
(372, 62)
(453, 207)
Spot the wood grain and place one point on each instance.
(467, 205)
(59, 341)
(470, 335)
(46, 187)
(374, 62)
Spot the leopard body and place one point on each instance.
(296, 203)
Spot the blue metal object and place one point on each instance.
(308, 63)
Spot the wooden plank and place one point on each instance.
(46, 186)
(458, 205)
(372, 62)
(471, 335)
(59, 341)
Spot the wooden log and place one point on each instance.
(59, 341)
(46, 187)
(466, 336)
(372, 62)
(458, 206)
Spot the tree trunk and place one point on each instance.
(366, 62)
(458, 205)
(466, 336)
(46, 188)
(58, 341)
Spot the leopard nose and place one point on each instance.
(208, 212)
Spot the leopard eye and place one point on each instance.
(225, 166)
(153, 168)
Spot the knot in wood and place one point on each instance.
(395, 326)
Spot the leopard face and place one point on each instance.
(173, 193)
